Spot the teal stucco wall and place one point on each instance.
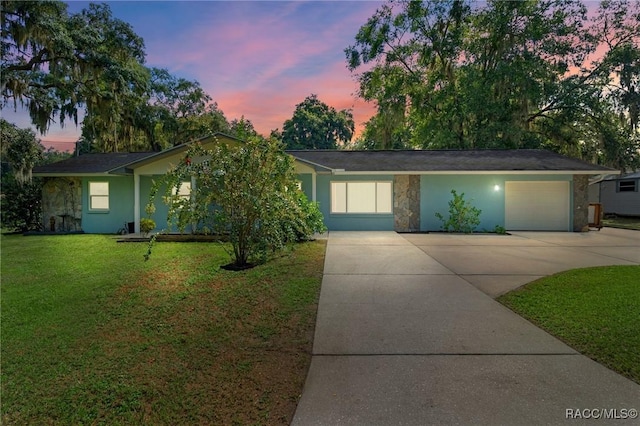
(350, 221)
(307, 184)
(435, 194)
(120, 205)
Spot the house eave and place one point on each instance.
(93, 174)
(173, 150)
(468, 172)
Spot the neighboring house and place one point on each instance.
(356, 190)
(618, 194)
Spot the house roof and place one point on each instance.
(444, 161)
(91, 163)
(337, 161)
(114, 163)
(634, 175)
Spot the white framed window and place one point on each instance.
(183, 192)
(362, 197)
(99, 196)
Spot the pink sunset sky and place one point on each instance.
(256, 59)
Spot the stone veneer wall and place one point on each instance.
(580, 203)
(62, 196)
(406, 203)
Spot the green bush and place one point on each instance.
(246, 192)
(21, 204)
(463, 217)
(147, 225)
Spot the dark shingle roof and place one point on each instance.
(91, 163)
(444, 161)
(116, 163)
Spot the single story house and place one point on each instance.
(356, 190)
(618, 194)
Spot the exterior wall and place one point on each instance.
(594, 193)
(162, 210)
(580, 203)
(62, 199)
(622, 203)
(350, 221)
(435, 194)
(307, 184)
(406, 203)
(120, 205)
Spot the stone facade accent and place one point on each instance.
(580, 203)
(406, 203)
(62, 204)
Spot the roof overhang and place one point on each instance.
(468, 172)
(94, 174)
(175, 150)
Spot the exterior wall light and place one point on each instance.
(496, 187)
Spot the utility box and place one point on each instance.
(595, 215)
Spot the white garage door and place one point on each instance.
(537, 206)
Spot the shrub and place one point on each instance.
(21, 204)
(463, 217)
(247, 192)
(147, 225)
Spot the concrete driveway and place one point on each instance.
(408, 332)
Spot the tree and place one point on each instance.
(242, 129)
(20, 149)
(503, 75)
(54, 63)
(315, 125)
(178, 111)
(20, 204)
(247, 192)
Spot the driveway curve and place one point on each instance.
(408, 332)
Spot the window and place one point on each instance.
(98, 195)
(627, 186)
(183, 192)
(361, 197)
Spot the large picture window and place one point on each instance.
(361, 197)
(99, 196)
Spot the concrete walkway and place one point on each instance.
(408, 332)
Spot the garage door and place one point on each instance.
(537, 206)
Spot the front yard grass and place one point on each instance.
(92, 334)
(594, 310)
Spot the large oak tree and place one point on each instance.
(453, 74)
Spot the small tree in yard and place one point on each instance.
(463, 217)
(248, 193)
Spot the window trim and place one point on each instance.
(102, 196)
(346, 197)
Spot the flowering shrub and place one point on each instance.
(246, 192)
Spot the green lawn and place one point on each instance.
(93, 334)
(594, 310)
